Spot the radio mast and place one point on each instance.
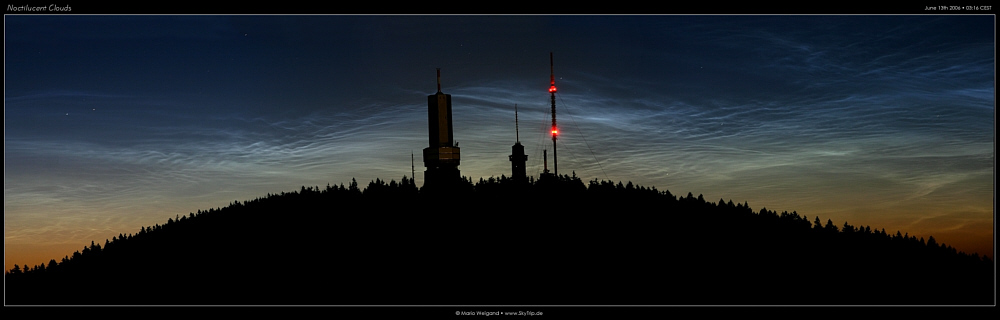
(555, 130)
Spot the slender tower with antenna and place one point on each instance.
(555, 130)
(517, 156)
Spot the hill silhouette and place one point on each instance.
(554, 241)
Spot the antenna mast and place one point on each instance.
(545, 161)
(517, 131)
(439, 79)
(555, 130)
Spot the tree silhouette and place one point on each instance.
(555, 232)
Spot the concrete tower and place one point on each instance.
(517, 156)
(441, 157)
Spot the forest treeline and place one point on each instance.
(551, 241)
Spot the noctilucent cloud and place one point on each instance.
(112, 123)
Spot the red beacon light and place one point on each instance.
(552, 89)
(555, 132)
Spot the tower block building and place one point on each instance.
(441, 157)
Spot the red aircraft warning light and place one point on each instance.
(555, 132)
(552, 89)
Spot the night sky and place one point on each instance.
(112, 123)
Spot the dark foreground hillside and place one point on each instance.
(499, 243)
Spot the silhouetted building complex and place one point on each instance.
(442, 155)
